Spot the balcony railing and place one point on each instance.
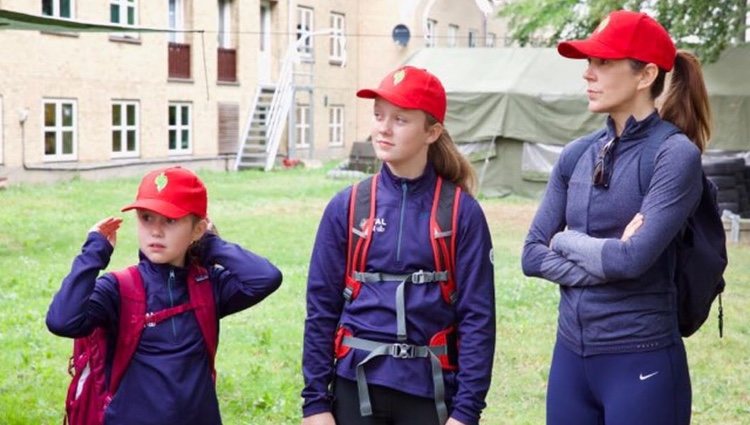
(227, 64)
(179, 60)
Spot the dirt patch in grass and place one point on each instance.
(511, 216)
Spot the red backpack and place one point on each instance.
(89, 393)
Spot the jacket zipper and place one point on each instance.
(404, 189)
(170, 282)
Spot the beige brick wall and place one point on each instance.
(93, 69)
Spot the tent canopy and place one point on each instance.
(535, 95)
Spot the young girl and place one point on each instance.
(619, 357)
(384, 344)
(169, 379)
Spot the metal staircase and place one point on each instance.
(252, 152)
(259, 142)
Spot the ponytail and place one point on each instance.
(449, 163)
(686, 101)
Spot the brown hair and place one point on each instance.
(449, 163)
(685, 103)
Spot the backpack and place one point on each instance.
(700, 245)
(89, 393)
(442, 350)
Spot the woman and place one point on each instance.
(400, 322)
(619, 357)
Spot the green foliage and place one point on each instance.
(259, 380)
(706, 27)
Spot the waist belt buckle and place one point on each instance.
(420, 277)
(402, 351)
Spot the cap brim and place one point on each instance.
(158, 206)
(582, 49)
(389, 96)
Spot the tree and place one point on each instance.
(706, 27)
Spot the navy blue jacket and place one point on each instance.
(616, 296)
(401, 244)
(168, 380)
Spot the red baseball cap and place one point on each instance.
(625, 35)
(172, 192)
(411, 88)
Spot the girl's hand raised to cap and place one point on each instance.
(325, 418)
(108, 228)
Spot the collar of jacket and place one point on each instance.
(161, 270)
(634, 130)
(416, 185)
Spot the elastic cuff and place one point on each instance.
(315, 408)
(464, 419)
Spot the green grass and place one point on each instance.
(276, 215)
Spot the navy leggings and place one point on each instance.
(646, 388)
(389, 407)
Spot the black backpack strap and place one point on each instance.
(361, 223)
(662, 132)
(574, 151)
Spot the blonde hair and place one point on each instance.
(449, 163)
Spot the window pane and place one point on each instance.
(116, 114)
(131, 140)
(114, 13)
(116, 142)
(131, 15)
(172, 115)
(131, 114)
(172, 139)
(65, 9)
(49, 114)
(49, 143)
(67, 114)
(67, 142)
(185, 115)
(185, 139)
(47, 7)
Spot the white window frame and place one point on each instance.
(302, 125)
(179, 128)
(58, 128)
(56, 10)
(336, 125)
(305, 14)
(176, 20)
(473, 35)
(336, 49)
(430, 37)
(225, 24)
(123, 128)
(452, 35)
(124, 5)
(2, 130)
(491, 39)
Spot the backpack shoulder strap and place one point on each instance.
(132, 316)
(574, 151)
(202, 299)
(443, 226)
(361, 222)
(662, 132)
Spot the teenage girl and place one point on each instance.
(395, 338)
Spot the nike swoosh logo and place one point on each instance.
(643, 377)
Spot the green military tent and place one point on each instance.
(513, 109)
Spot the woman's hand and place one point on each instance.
(452, 421)
(325, 418)
(631, 228)
(108, 228)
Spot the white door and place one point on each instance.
(264, 48)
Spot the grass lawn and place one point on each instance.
(276, 215)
